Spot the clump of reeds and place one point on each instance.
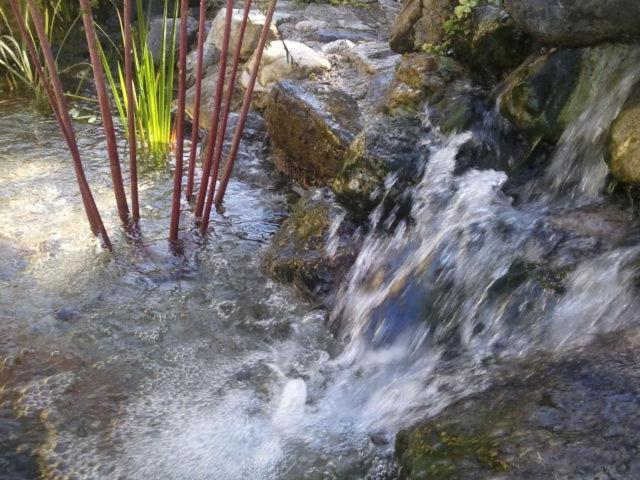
(153, 84)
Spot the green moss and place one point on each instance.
(433, 451)
(361, 174)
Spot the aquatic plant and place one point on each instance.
(153, 84)
(105, 112)
(198, 93)
(18, 68)
(182, 88)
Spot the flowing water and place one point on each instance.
(148, 365)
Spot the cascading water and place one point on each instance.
(245, 385)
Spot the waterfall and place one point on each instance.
(472, 279)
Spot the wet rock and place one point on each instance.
(420, 22)
(160, 28)
(344, 18)
(493, 143)
(387, 146)
(314, 248)
(623, 144)
(574, 416)
(284, 59)
(371, 58)
(490, 42)
(311, 127)
(326, 35)
(417, 77)
(538, 91)
(251, 38)
(543, 96)
(577, 22)
(338, 46)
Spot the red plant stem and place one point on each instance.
(59, 107)
(196, 109)
(182, 83)
(206, 165)
(246, 104)
(105, 111)
(222, 129)
(131, 110)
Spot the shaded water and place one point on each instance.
(146, 365)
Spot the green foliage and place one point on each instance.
(457, 24)
(17, 67)
(153, 85)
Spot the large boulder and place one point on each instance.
(251, 38)
(552, 90)
(311, 127)
(572, 23)
(284, 59)
(623, 145)
(420, 22)
(314, 248)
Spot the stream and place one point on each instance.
(149, 365)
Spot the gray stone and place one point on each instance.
(577, 22)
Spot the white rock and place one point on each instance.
(255, 23)
(310, 25)
(338, 46)
(275, 65)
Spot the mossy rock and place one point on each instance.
(313, 250)
(310, 127)
(490, 42)
(541, 419)
(420, 22)
(386, 146)
(417, 77)
(623, 145)
(549, 92)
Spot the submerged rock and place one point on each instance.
(577, 22)
(251, 38)
(314, 248)
(311, 127)
(623, 145)
(569, 418)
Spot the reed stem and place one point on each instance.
(196, 109)
(131, 113)
(55, 94)
(222, 130)
(206, 164)
(246, 104)
(105, 111)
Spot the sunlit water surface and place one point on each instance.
(143, 364)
